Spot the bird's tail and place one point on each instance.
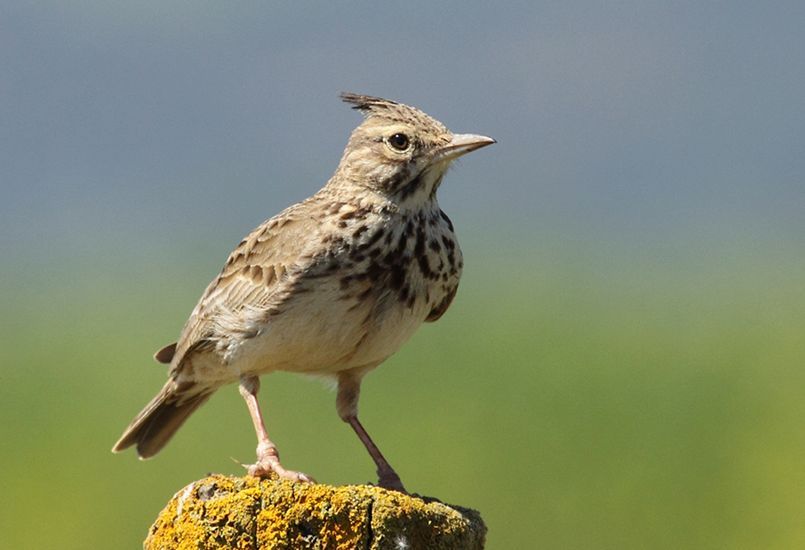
(158, 421)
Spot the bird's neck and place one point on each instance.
(404, 193)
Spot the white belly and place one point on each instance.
(358, 314)
(322, 333)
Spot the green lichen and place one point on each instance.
(249, 514)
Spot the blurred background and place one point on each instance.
(623, 365)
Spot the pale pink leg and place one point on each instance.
(347, 405)
(268, 458)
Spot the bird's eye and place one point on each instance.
(399, 141)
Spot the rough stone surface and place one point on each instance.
(248, 513)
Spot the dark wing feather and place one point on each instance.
(442, 306)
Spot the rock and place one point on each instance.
(249, 513)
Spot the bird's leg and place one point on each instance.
(387, 477)
(268, 458)
(349, 387)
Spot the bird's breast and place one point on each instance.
(409, 262)
(374, 284)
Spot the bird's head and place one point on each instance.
(400, 152)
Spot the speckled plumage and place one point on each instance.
(331, 286)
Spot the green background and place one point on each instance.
(623, 364)
(661, 408)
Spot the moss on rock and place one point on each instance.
(249, 513)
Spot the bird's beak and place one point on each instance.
(461, 144)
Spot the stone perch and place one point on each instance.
(249, 513)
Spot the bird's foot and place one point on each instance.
(267, 468)
(388, 479)
(268, 463)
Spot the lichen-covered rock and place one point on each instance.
(249, 513)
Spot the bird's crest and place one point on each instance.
(372, 106)
(366, 103)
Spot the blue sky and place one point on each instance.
(619, 124)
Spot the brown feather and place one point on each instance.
(391, 110)
(278, 253)
(159, 420)
(441, 308)
(278, 248)
(165, 355)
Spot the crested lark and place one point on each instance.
(331, 286)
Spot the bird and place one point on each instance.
(332, 286)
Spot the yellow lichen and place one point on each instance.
(248, 513)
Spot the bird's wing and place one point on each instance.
(257, 277)
(440, 308)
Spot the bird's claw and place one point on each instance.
(269, 468)
(391, 481)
